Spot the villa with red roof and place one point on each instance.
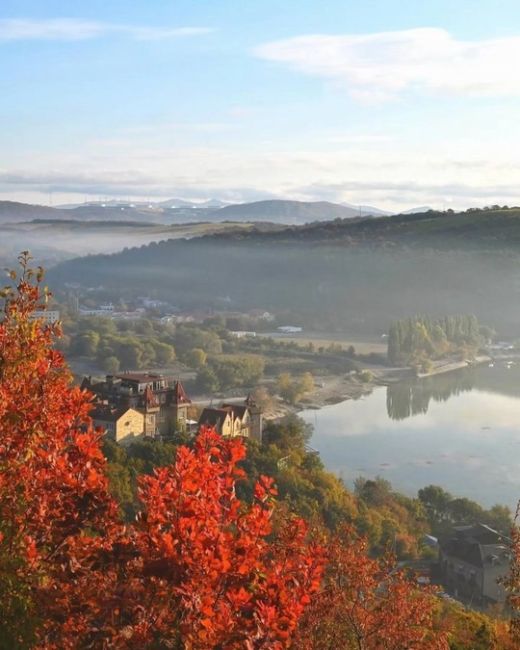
(162, 400)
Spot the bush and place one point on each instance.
(365, 376)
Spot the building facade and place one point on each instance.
(48, 316)
(231, 419)
(122, 425)
(161, 400)
(473, 560)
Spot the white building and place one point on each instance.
(48, 316)
(241, 334)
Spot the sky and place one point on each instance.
(394, 104)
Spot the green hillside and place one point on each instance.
(476, 229)
(343, 276)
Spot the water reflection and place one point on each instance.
(460, 430)
(413, 397)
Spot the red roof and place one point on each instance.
(179, 394)
(150, 398)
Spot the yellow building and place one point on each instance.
(234, 419)
(122, 425)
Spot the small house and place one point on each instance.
(121, 424)
(473, 559)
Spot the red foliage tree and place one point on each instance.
(512, 583)
(368, 604)
(52, 482)
(197, 569)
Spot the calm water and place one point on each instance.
(460, 430)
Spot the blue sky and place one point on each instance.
(394, 104)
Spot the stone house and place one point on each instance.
(162, 400)
(122, 425)
(473, 559)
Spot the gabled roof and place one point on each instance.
(213, 416)
(179, 394)
(238, 410)
(479, 533)
(150, 399)
(107, 414)
(86, 383)
(477, 544)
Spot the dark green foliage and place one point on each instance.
(130, 347)
(237, 370)
(188, 337)
(207, 381)
(125, 464)
(291, 434)
(432, 262)
(444, 511)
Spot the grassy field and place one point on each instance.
(319, 339)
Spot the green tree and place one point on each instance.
(238, 370)
(130, 354)
(196, 358)
(86, 344)
(207, 381)
(111, 365)
(436, 501)
(164, 353)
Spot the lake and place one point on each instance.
(460, 430)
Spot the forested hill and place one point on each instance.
(475, 229)
(348, 276)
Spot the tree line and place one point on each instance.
(419, 339)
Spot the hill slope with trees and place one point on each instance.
(200, 566)
(355, 275)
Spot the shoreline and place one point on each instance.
(331, 390)
(455, 365)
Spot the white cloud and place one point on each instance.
(354, 176)
(73, 29)
(390, 175)
(382, 66)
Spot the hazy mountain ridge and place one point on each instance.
(179, 211)
(290, 212)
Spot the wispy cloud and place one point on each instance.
(437, 190)
(73, 29)
(382, 66)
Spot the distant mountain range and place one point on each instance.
(288, 212)
(174, 211)
(213, 204)
(12, 212)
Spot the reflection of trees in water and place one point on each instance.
(409, 398)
